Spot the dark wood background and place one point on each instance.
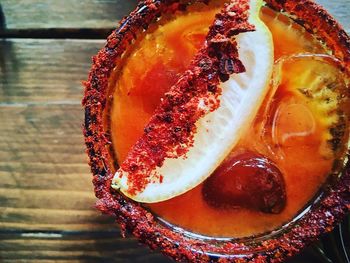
(46, 196)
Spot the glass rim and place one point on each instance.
(319, 217)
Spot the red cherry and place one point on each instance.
(247, 180)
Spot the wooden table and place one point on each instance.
(46, 196)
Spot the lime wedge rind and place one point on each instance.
(219, 131)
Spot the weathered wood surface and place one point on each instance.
(37, 14)
(25, 14)
(46, 197)
(73, 247)
(44, 71)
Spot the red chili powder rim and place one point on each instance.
(322, 216)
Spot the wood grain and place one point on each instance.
(72, 247)
(25, 14)
(46, 196)
(44, 71)
(47, 182)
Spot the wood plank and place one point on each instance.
(44, 71)
(25, 14)
(40, 130)
(46, 196)
(43, 188)
(33, 199)
(80, 248)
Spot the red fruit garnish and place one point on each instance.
(248, 180)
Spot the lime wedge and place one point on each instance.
(218, 131)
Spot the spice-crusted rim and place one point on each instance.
(133, 218)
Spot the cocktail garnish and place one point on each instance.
(197, 111)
